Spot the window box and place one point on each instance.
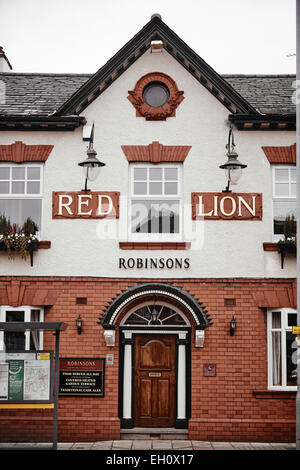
(19, 240)
(23, 245)
(284, 248)
(288, 245)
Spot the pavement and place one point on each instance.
(161, 444)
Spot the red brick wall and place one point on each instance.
(224, 407)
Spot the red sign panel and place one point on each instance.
(86, 205)
(81, 377)
(227, 206)
(81, 364)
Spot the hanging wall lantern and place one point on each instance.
(233, 167)
(91, 165)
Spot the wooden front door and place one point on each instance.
(154, 392)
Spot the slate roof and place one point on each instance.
(43, 94)
(37, 94)
(268, 94)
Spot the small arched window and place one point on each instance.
(154, 314)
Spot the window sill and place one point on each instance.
(44, 245)
(283, 248)
(270, 246)
(285, 394)
(154, 245)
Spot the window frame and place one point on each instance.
(27, 318)
(155, 237)
(39, 196)
(277, 237)
(283, 329)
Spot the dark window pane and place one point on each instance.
(14, 340)
(17, 210)
(156, 94)
(291, 363)
(155, 216)
(292, 319)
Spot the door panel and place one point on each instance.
(145, 390)
(154, 380)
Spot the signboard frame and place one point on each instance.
(40, 326)
(51, 378)
(80, 368)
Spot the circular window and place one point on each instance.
(156, 94)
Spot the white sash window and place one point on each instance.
(284, 197)
(155, 205)
(21, 193)
(18, 341)
(282, 349)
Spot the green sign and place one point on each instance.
(15, 379)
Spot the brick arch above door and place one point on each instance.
(192, 307)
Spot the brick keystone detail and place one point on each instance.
(160, 113)
(20, 152)
(156, 153)
(281, 155)
(276, 298)
(16, 294)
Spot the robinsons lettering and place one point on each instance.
(154, 263)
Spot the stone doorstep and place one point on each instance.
(154, 433)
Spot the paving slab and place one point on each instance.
(182, 445)
(261, 446)
(121, 445)
(82, 446)
(201, 445)
(221, 446)
(102, 445)
(140, 444)
(161, 444)
(241, 445)
(283, 446)
(65, 445)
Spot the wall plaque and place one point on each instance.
(227, 206)
(81, 377)
(85, 205)
(209, 370)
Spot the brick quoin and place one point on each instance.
(234, 405)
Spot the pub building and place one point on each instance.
(150, 207)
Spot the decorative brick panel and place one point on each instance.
(160, 113)
(21, 153)
(17, 293)
(281, 155)
(156, 153)
(281, 297)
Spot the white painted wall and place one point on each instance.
(229, 248)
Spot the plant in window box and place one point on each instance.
(289, 243)
(16, 239)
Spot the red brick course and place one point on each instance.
(234, 405)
